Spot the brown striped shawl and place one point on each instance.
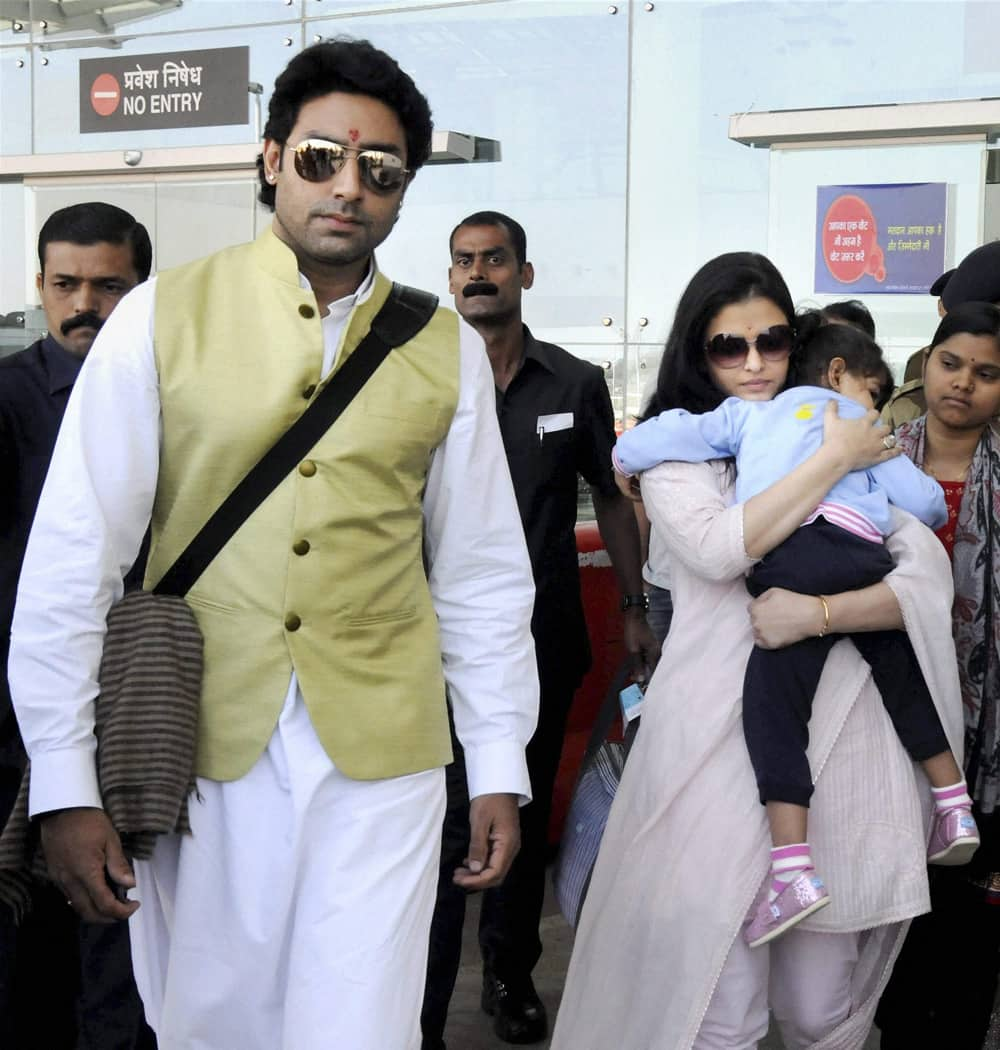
(146, 719)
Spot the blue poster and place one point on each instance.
(883, 238)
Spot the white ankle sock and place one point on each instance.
(949, 797)
(787, 863)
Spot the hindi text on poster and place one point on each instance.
(882, 238)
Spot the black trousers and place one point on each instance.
(945, 979)
(65, 984)
(780, 684)
(944, 982)
(510, 914)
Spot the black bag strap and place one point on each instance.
(403, 315)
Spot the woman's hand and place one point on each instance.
(773, 515)
(857, 443)
(779, 618)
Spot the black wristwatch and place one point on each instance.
(633, 601)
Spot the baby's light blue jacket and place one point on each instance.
(769, 439)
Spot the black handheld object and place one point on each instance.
(120, 891)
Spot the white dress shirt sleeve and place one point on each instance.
(92, 515)
(482, 586)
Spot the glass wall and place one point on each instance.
(512, 72)
(695, 193)
(612, 120)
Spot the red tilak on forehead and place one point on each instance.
(354, 134)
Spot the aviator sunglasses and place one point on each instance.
(317, 160)
(731, 351)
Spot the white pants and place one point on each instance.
(296, 916)
(805, 976)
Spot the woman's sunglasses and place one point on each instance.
(317, 160)
(731, 351)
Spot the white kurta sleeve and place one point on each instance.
(482, 587)
(91, 518)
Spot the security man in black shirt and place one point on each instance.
(63, 985)
(557, 422)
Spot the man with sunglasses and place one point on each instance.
(387, 565)
(557, 423)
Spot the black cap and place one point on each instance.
(938, 286)
(977, 278)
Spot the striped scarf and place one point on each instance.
(976, 611)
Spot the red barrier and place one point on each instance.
(602, 608)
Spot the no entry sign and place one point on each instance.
(174, 89)
(105, 95)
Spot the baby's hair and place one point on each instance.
(850, 311)
(818, 343)
(969, 319)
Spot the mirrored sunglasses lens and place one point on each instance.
(381, 171)
(318, 163)
(728, 351)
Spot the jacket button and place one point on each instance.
(309, 391)
(292, 622)
(301, 547)
(306, 311)
(307, 468)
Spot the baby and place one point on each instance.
(838, 548)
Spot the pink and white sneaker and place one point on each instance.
(954, 837)
(804, 895)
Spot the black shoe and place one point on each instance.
(518, 1014)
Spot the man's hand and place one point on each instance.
(81, 848)
(641, 645)
(493, 844)
(629, 487)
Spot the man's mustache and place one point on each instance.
(326, 210)
(479, 288)
(84, 320)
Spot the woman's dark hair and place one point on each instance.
(355, 67)
(818, 343)
(850, 311)
(968, 319)
(683, 380)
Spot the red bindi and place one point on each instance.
(354, 134)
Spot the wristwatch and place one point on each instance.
(632, 601)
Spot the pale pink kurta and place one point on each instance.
(686, 846)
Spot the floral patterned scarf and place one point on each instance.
(976, 612)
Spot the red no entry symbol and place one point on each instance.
(105, 95)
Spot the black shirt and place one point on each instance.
(556, 420)
(35, 385)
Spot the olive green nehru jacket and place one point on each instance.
(326, 578)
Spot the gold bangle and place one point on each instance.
(826, 616)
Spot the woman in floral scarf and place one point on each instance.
(942, 989)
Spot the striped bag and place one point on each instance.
(600, 772)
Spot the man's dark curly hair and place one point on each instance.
(355, 67)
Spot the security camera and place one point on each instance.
(132, 157)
